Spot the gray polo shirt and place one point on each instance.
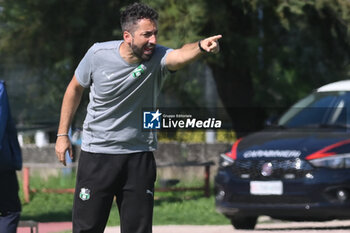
(118, 94)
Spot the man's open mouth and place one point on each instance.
(148, 49)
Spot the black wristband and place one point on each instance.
(200, 47)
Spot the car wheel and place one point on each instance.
(244, 222)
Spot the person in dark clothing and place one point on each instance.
(10, 205)
(10, 161)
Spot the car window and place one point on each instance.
(317, 109)
(338, 116)
(341, 112)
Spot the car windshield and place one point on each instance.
(320, 109)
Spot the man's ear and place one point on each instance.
(127, 37)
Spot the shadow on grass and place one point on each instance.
(49, 217)
(161, 199)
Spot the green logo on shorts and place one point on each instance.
(84, 194)
(138, 71)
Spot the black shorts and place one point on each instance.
(101, 177)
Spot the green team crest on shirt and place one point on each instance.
(84, 194)
(138, 71)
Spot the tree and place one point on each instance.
(181, 22)
(41, 43)
(274, 52)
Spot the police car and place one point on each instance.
(297, 170)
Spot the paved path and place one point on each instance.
(335, 226)
(183, 229)
(266, 227)
(49, 227)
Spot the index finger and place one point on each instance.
(217, 37)
(61, 158)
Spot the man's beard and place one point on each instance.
(138, 52)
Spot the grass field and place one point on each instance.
(169, 208)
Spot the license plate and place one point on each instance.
(266, 187)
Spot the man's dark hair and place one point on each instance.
(135, 12)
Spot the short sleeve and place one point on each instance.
(84, 70)
(164, 69)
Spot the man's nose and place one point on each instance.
(153, 39)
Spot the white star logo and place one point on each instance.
(156, 115)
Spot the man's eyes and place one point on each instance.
(149, 34)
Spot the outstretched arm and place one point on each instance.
(178, 58)
(70, 104)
